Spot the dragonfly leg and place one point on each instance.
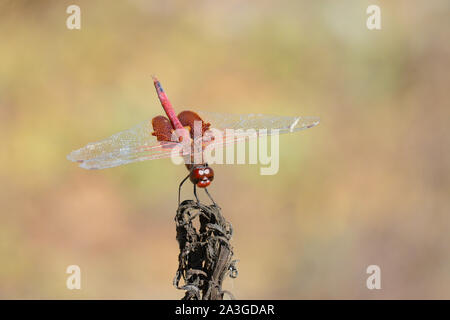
(206, 190)
(195, 193)
(179, 188)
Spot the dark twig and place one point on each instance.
(205, 255)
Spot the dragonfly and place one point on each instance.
(162, 136)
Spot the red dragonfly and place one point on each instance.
(155, 139)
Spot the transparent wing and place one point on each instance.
(248, 126)
(283, 124)
(135, 144)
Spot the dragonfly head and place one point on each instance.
(202, 176)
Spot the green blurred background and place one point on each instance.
(369, 185)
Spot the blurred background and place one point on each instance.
(369, 185)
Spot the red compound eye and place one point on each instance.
(209, 173)
(196, 175)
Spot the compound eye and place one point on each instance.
(200, 172)
(206, 171)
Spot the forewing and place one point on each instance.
(283, 124)
(249, 126)
(135, 144)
